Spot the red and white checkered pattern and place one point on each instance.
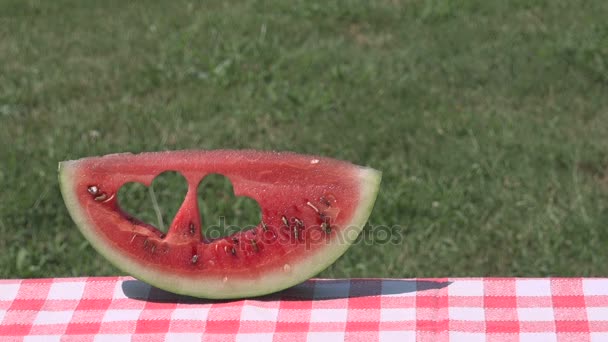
(456, 309)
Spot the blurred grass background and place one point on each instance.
(489, 120)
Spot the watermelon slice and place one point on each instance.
(313, 209)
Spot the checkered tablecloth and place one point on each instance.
(452, 309)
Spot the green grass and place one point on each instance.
(489, 120)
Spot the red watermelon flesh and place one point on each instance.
(313, 209)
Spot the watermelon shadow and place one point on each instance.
(314, 289)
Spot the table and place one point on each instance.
(452, 309)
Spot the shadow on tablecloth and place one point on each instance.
(314, 289)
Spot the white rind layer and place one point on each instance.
(213, 287)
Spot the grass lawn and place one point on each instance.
(489, 120)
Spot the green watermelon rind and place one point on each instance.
(216, 288)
